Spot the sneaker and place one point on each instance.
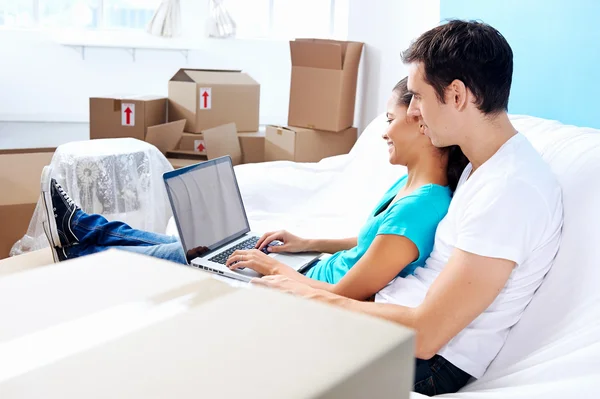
(59, 210)
(58, 254)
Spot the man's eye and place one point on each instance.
(389, 121)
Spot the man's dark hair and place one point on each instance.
(472, 52)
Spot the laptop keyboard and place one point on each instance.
(250, 243)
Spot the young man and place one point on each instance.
(502, 231)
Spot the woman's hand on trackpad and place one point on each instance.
(255, 260)
(289, 242)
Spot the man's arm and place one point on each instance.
(464, 289)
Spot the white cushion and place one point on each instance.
(331, 198)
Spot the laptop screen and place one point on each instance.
(207, 205)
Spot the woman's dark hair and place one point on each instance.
(457, 161)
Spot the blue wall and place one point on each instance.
(556, 46)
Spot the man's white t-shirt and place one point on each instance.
(509, 208)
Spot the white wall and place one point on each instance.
(44, 81)
(41, 80)
(387, 27)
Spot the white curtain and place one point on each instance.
(166, 21)
(220, 23)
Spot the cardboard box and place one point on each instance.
(26, 261)
(142, 327)
(167, 136)
(323, 84)
(209, 98)
(253, 146)
(177, 163)
(125, 116)
(306, 145)
(20, 173)
(193, 142)
(221, 140)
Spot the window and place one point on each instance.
(133, 14)
(252, 17)
(308, 18)
(269, 19)
(88, 14)
(16, 13)
(69, 13)
(288, 19)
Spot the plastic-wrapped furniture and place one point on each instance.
(118, 178)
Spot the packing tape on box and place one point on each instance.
(117, 105)
(200, 291)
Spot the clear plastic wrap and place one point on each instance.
(118, 178)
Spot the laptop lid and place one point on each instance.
(207, 206)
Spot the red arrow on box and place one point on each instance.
(128, 116)
(200, 147)
(205, 96)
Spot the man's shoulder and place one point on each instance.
(531, 173)
(518, 188)
(519, 167)
(535, 189)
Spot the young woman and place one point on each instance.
(398, 235)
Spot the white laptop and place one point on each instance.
(211, 219)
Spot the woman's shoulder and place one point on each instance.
(394, 188)
(430, 199)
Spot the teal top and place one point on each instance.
(415, 217)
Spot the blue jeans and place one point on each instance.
(437, 376)
(96, 234)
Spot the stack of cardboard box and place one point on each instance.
(210, 113)
(215, 105)
(322, 102)
(201, 118)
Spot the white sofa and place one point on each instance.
(554, 351)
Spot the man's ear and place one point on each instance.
(457, 94)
